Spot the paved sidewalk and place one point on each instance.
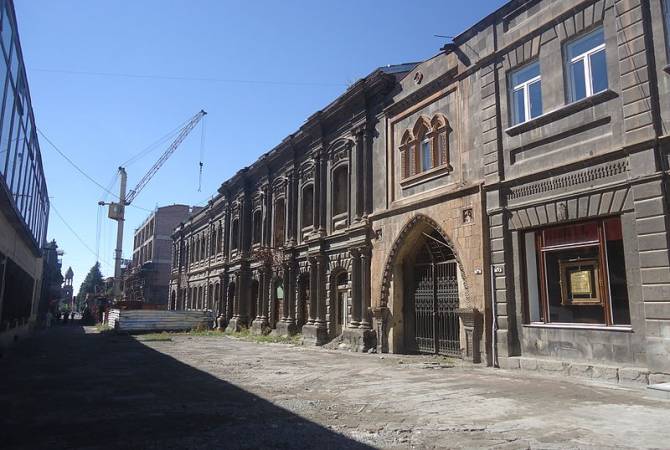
(70, 389)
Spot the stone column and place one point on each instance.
(356, 175)
(285, 300)
(367, 172)
(355, 258)
(365, 288)
(291, 213)
(323, 179)
(320, 300)
(289, 295)
(313, 290)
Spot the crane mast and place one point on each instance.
(117, 209)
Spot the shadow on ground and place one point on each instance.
(67, 389)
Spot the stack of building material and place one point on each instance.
(155, 320)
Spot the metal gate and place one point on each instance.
(436, 324)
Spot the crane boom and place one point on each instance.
(164, 157)
(117, 210)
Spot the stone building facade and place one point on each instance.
(505, 201)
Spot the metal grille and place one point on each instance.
(435, 308)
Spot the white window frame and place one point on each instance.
(424, 141)
(586, 57)
(525, 86)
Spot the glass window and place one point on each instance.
(587, 66)
(308, 206)
(426, 151)
(340, 190)
(577, 274)
(5, 131)
(258, 226)
(526, 93)
(6, 32)
(280, 223)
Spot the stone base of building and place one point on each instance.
(359, 339)
(236, 324)
(285, 329)
(314, 335)
(260, 327)
(622, 375)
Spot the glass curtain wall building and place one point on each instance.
(24, 201)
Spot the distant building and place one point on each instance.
(52, 279)
(68, 289)
(148, 277)
(24, 201)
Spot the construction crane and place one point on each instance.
(117, 209)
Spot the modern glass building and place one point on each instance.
(24, 201)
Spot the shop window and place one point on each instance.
(576, 274)
(308, 206)
(340, 190)
(526, 93)
(258, 223)
(586, 65)
(280, 223)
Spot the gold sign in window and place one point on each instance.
(579, 282)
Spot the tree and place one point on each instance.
(92, 283)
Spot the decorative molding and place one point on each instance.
(569, 180)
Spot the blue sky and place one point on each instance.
(275, 64)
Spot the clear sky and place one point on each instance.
(109, 78)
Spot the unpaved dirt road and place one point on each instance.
(70, 387)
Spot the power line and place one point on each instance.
(80, 170)
(73, 232)
(186, 78)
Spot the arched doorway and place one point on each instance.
(431, 300)
(278, 303)
(340, 296)
(173, 301)
(230, 302)
(254, 300)
(302, 301)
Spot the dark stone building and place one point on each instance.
(147, 277)
(24, 200)
(505, 201)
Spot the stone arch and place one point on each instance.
(332, 308)
(173, 300)
(408, 230)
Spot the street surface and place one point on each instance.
(71, 387)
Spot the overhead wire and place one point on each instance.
(69, 227)
(80, 170)
(189, 78)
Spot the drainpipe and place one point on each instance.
(494, 322)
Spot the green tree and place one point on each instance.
(92, 283)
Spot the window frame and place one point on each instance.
(603, 273)
(525, 88)
(585, 57)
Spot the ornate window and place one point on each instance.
(219, 240)
(212, 242)
(307, 206)
(235, 235)
(425, 147)
(203, 247)
(257, 227)
(340, 190)
(280, 222)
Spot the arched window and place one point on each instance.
(425, 147)
(340, 190)
(203, 247)
(280, 222)
(257, 226)
(308, 206)
(235, 235)
(219, 240)
(212, 242)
